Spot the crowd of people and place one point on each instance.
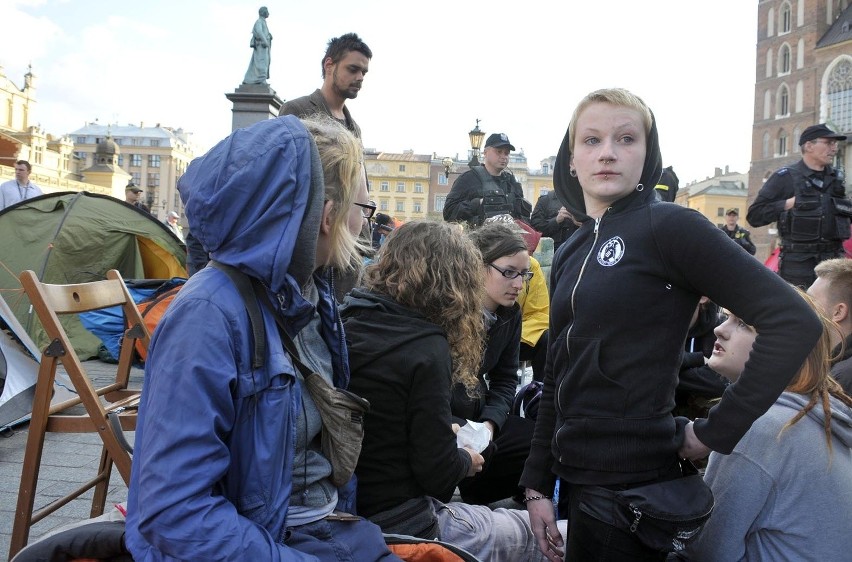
(235, 452)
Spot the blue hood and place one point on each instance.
(254, 201)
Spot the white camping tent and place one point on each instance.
(19, 371)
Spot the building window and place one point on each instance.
(121, 159)
(402, 167)
(440, 200)
(153, 160)
(135, 161)
(153, 180)
(545, 168)
(154, 142)
(418, 207)
(136, 178)
(784, 102)
(418, 187)
(840, 95)
(400, 206)
(786, 18)
(782, 144)
(134, 142)
(384, 186)
(383, 205)
(81, 140)
(720, 212)
(38, 154)
(784, 60)
(400, 187)
(765, 145)
(442, 180)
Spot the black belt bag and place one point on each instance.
(665, 516)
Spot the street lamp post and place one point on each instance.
(448, 164)
(476, 136)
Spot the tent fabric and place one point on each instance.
(19, 371)
(76, 237)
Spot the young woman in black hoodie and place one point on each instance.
(624, 288)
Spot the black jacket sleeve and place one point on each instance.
(543, 217)
(769, 203)
(503, 376)
(464, 202)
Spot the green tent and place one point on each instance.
(76, 237)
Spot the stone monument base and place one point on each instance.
(253, 103)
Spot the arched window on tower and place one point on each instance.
(784, 57)
(782, 144)
(783, 101)
(839, 95)
(785, 18)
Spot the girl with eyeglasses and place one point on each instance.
(506, 267)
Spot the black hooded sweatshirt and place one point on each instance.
(400, 362)
(624, 288)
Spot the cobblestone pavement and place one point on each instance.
(68, 461)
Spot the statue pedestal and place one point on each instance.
(253, 103)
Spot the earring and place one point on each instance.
(640, 187)
(572, 172)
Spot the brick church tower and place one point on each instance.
(803, 76)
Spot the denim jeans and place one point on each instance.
(501, 535)
(341, 541)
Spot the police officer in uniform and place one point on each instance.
(808, 201)
(488, 190)
(737, 233)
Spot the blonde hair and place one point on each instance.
(613, 96)
(433, 268)
(814, 378)
(341, 155)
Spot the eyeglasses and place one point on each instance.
(367, 209)
(829, 142)
(512, 274)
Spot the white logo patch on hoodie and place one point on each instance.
(611, 252)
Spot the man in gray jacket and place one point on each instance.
(344, 65)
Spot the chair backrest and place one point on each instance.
(51, 301)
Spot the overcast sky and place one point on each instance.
(520, 67)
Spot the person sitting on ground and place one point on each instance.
(506, 266)
(228, 463)
(699, 386)
(832, 290)
(382, 226)
(784, 493)
(427, 315)
(535, 310)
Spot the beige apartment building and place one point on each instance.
(399, 183)
(155, 157)
(804, 77)
(713, 197)
(54, 167)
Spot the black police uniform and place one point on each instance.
(741, 236)
(472, 201)
(814, 229)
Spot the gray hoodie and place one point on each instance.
(783, 497)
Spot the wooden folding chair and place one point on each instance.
(105, 408)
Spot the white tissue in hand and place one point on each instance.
(473, 435)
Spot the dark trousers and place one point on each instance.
(797, 268)
(537, 354)
(499, 479)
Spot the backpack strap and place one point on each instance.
(243, 284)
(251, 290)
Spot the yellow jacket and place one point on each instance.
(535, 306)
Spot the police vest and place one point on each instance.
(819, 215)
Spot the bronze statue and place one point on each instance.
(261, 43)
